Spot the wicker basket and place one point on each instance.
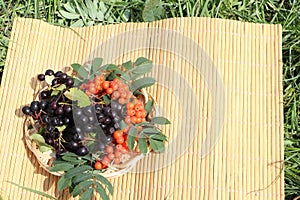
(45, 159)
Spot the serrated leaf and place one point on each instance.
(131, 137)
(142, 83)
(76, 94)
(69, 15)
(100, 189)
(142, 70)
(80, 169)
(70, 154)
(160, 120)
(82, 72)
(61, 167)
(128, 65)
(121, 74)
(81, 187)
(63, 183)
(145, 124)
(82, 177)
(141, 61)
(103, 180)
(49, 79)
(151, 131)
(157, 145)
(142, 66)
(87, 195)
(110, 67)
(149, 106)
(37, 138)
(160, 137)
(142, 143)
(72, 160)
(61, 128)
(96, 64)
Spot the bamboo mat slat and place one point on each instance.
(246, 159)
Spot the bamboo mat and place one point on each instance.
(219, 82)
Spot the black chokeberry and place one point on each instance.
(55, 82)
(70, 82)
(63, 76)
(67, 108)
(59, 110)
(41, 77)
(49, 72)
(35, 106)
(43, 104)
(46, 119)
(58, 73)
(88, 128)
(82, 151)
(44, 94)
(26, 110)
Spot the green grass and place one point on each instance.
(285, 12)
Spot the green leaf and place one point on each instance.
(61, 167)
(61, 128)
(100, 189)
(160, 137)
(72, 160)
(33, 191)
(111, 67)
(157, 145)
(151, 131)
(49, 79)
(142, 66)
(80, 70)
(142, 61)
(142, 143)
(92, 9)
(81, 187)
(80, 169)
(142, 83)
(128, 65)
(59, 88)
(82, 177)
(103, 180)
(153, 10)
(96, 64)
(123, 125)
(106, 100)
(160, 120)
(123, 75)
(87, 195)
(149, 106)
(55, 92)
(131, 137)
(44, 148)
(76, 94)
(63, 183)
(69, 15)
(37, 138)
(78, 23)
